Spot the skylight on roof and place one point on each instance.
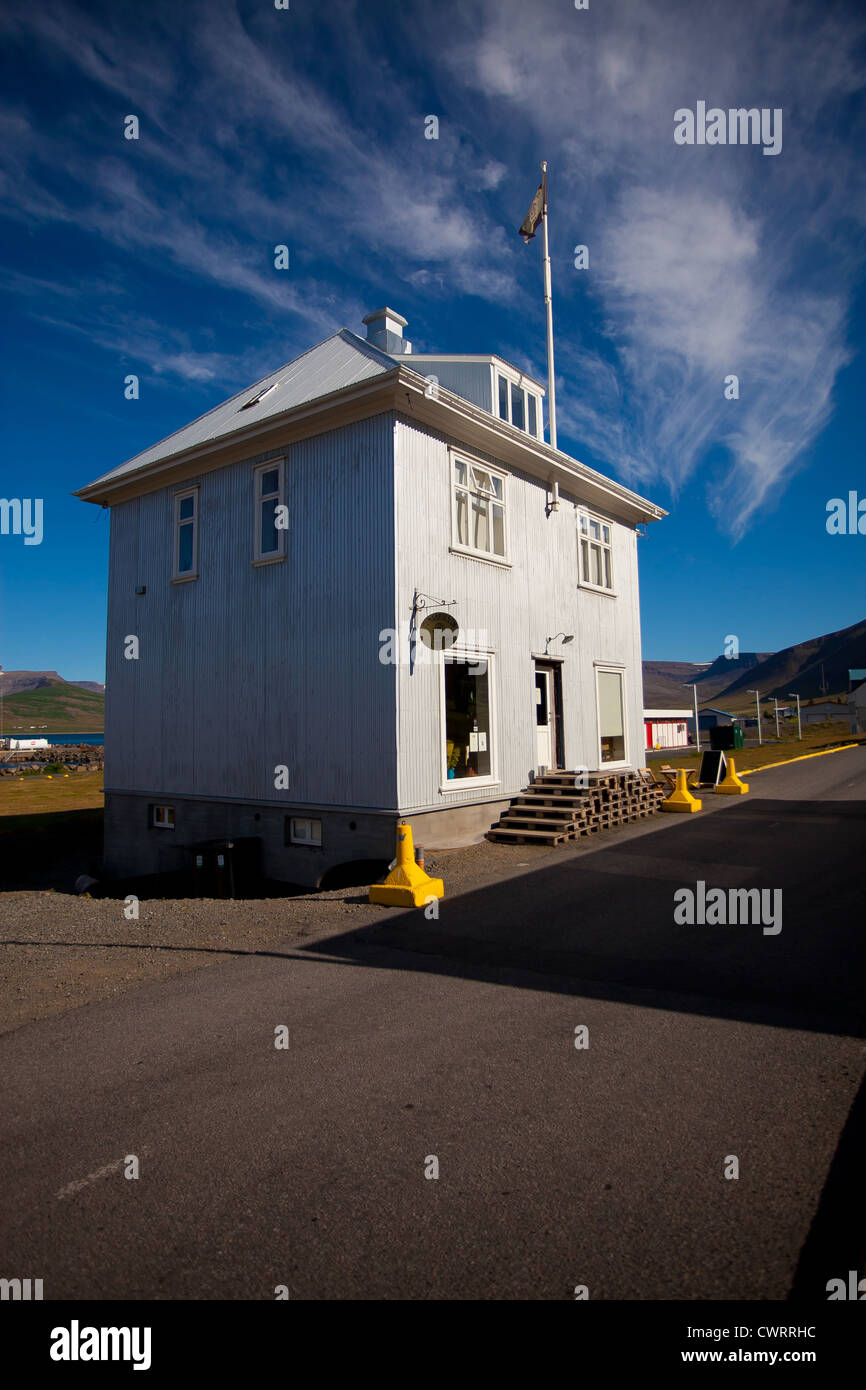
(260, 395)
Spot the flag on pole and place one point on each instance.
(536, 211)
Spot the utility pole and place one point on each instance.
(776, 709)
(799, 725)
(757, 695)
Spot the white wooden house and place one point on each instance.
(277, 570)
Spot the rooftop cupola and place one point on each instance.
(385, 331)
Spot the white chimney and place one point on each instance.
(385, 331)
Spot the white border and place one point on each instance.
(176, 575)
(464, 784)
(271, 558)
(580, 511)
(462, 456)
(612, 668)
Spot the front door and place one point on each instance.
(545, 733)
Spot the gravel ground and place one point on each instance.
(59, 951)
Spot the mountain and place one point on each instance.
(806, 667)
(665, 683)
(728, 668)
(721, 673)
(41, 702)
(13, 682)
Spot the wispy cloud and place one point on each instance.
(703, 262)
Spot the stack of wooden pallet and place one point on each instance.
(558, 806)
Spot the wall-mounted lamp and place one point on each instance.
(565, 640)
(553, 500)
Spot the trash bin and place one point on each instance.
(724, 738)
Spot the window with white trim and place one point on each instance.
(611, 715)
(595, 551)
(466, 693)
(479, 509)
(186, 534)
(269, 511)
(162, 817)
(304, 831)
(519, 406)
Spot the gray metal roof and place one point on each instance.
(340, 361)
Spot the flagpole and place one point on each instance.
(548, 304)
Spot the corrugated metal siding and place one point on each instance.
(343, 360)
(519, 607)
(471, 380)
(250, 667)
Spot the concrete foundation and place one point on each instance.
(135, 847)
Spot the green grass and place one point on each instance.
(816, 737)
(39, 795)
(53, 709)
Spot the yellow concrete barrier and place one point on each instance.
(407, 885)
(731, 784)
(681, 798)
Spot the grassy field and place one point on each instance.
(50, 830)
(815, 737)
(34, 796)
(54, 709)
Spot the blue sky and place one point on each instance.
(306, 127)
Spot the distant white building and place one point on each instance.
(667, 728)
(282, 572)
(857, 709)
(820, 713)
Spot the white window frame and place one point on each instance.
(467, 784)
(611, 668)
(160, 817)
(180, 576)
(510, 382)
(307, 841)
(456, 456)
(604, 546)
(268, 557)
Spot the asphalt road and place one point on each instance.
(603, 1166)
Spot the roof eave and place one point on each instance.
(404, 391)
(533, 456)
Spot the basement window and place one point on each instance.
(304, 831)
(162, 817)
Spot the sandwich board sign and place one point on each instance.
(713, 769)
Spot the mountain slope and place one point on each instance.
(53, 707)
(801, 669)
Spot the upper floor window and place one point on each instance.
(269, 514)
(186, 534)
(517, 405)
(596, 556)
(479, 509)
